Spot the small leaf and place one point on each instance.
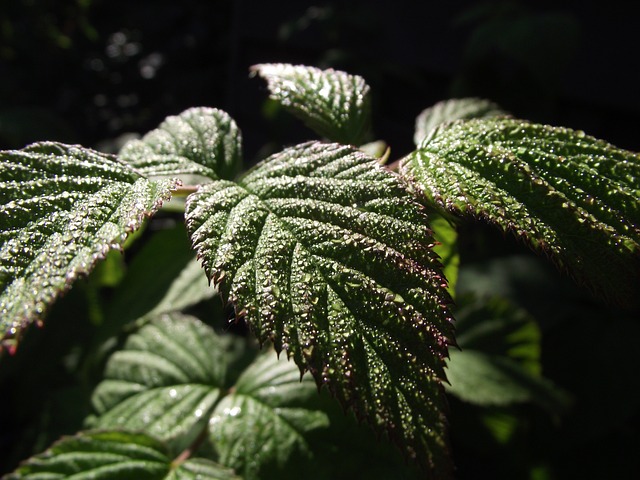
(334, 104)
(164, 382)
(482, 379)
(198, 145)
(448, 111)
(62, 209)
(325, 253)
(115, 454)
(500, 359)
(569, 195)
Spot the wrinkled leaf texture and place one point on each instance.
(332, 103)
(567, 194)
(62, 209)
(451, 110)
(175, 377)
(324, 252)
(199, 144)
(115, 454)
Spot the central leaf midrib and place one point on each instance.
(284, 227)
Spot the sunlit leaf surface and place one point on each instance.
(569, 195)
(334, 104)
(115, 454)
(324, 252)
(450, 110)
(62, 208)
(197, 145)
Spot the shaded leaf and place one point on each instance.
(483, 379)
(115, 454)
(199, 469)
(450, 110)
(325, 253)
(263, 423)
(62, 209)
(569, 195)
(174, 377)
(165, 381)
(497, 327)
(170, 285)
(198, 145)
(334, 104)
(500, 359)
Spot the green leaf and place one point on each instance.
(62, 209)
(569, 195)
(198, 145)
(115, 454)
(164, 382)
(201, 469)
(332, 103)
(171, 285)
(483, 379)
(446, 247)
(500, 359)
(262, 425)
(174, 377)
(450, 110)
(497, 327)
(325, 253)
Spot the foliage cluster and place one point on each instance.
(345, 265)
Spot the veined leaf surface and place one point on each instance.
(199, 144)
(115, 454)
(176, 377)
(572, 196)
(262, 426)
(450, 110)
(500, 359)
(165, 381)
(62, 208)
(334, 104)
(326, 254)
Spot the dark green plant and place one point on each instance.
(327, 254)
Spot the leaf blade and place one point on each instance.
(101, 454)
(165, 381)
(322, 249)
(567, 194)
(263, 425)
(451, 110)
(63, 208)
(334, 104)
(197, 145)
(115, 454)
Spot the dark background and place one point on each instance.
(88, 70)
(93, 71)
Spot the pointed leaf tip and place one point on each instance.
(63, 208)
(196, 146)
(334, 104)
